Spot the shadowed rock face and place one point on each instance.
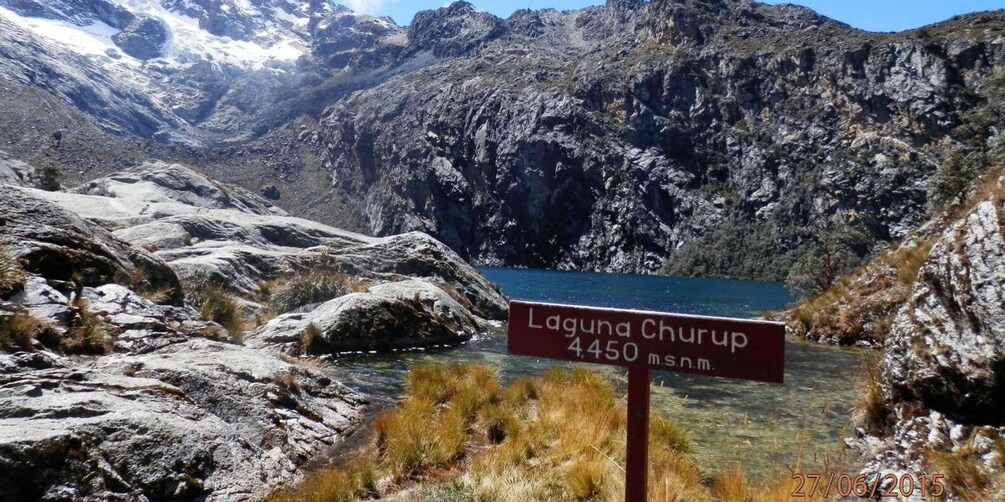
(626, 137)
(686, 133)
(143, 38)
(58, 244)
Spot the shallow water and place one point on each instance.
(759, 427)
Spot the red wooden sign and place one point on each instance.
(712, 346)
(640, 340)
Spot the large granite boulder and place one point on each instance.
(198, 420)
(946, 350)
(395, 315)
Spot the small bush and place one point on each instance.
(48, 179)
(88, 335)
(217, 305)
(18, 331)
(11, 275)
(585, 478)
(309, 338)
(954, 178)
(311, 287)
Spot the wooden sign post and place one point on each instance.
(641, 341)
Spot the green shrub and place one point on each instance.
(980, 147)
(955, 178)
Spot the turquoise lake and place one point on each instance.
(759, 427)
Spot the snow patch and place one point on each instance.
(94, 39)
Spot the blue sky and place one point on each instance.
(874, 15)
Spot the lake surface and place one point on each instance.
(760, 427)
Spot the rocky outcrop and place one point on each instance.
(60, 245)
(143, 39)
(664, 135)
(125, 391)
(946, 349)
(205, 230)
(943, 365)
(194, 420)
(397, 315)
(454, 30)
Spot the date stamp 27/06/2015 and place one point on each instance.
(874, 487)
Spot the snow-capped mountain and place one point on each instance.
(177, 70)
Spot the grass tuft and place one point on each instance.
(353, 480)
(585, 478)
(217, 305)
(320, 283)
(871, 409)
(88, 335)
(965, 477)
(140, 281)
(309, 338)
(12, 277)
(18, 331)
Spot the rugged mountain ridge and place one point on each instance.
(702, 137)
(615, 138)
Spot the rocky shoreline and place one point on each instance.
(130, 385)
(934, 404)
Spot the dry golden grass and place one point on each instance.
(965, 477)
(559, 436)
(88, 335)
(309, 338)
(871, 409)
(217, 305)
(11, 275)
(861, 305)
(321, 281)
(351, 481)
(18, 331)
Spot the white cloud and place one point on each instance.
(371, 7)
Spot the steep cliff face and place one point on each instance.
(703, 137)
(708, 133)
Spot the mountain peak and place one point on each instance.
(454, 30)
